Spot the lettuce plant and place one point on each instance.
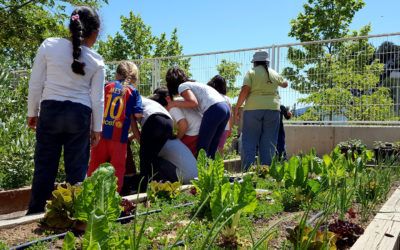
(60, 209)
(163, 190)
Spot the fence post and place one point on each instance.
(156, 75)
(273, 56)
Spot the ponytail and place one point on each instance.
(265, 66)
(77, 39)
(84, 21)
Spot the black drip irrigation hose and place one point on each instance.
(48, 238)
(62, 235)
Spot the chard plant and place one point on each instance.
(228, 202)
(210, 177)
(99, 192)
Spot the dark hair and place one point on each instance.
(160, 95)
(175, 77)
(218, 83)
(265, 65)
(83, 22)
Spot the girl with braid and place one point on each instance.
(65, 104)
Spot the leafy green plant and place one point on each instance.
(60, 209)
(97, 231)
(99, 191)
(210, 176)
(229, 202)
(69, 242)
(3, 245)
(163, 190)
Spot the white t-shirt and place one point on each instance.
(178, 154)
(151, 107)
(192, 117)
(206, 95)
(53, 79)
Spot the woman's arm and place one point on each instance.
(244, 93)
(190, 101)
(182, 128)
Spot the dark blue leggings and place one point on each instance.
(212, 127)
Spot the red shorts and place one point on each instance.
(190, 142)
(110, 151)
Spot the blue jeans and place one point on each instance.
(60, 125)
(212, 127)
(260, 129)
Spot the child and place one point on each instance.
(157, 128)
(123, 105)
(281, 147)
(67, 84)
(187, 120)
(219, 84)
(210, 104)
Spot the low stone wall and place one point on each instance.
(325, 138)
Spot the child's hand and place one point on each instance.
(32, 122)
(94, 138)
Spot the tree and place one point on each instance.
(25, 24)
(137, 43)
(340, 78)
(230, 70)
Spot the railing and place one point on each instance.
(352, 80)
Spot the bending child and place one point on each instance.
(219, 84)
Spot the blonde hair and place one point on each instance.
(128, 71)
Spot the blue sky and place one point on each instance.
(212, 25)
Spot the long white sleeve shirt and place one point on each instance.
(53, 79)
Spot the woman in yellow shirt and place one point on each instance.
(261, 111)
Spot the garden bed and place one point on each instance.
(306, 198)
(15, 201)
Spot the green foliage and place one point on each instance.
(69, 242)
(297, 172)
(3, 245)
(99, 191)
(210, 176)
(97, 231)
(229, 71)
(16, 144)
(163, 190)
(33, 21)
(60, 209)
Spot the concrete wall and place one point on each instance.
(325, 138)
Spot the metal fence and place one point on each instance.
(354, 80)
